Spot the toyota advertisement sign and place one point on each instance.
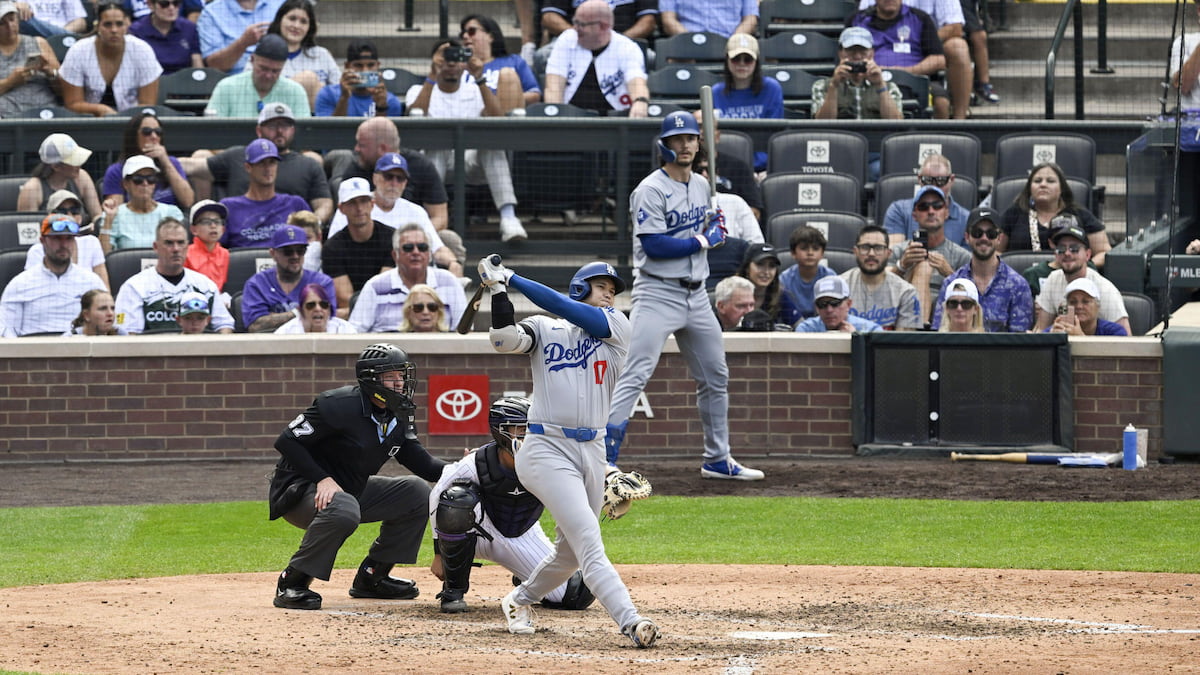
(458, 404)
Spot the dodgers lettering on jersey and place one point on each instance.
(559, 356)
(663, 205)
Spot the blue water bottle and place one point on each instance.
(1129, 454)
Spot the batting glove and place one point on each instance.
(491, 274)
(715, 232)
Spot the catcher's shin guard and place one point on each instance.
(458, 555)
(614, 435)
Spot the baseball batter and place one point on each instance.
(576, 360)
(480, 509)
(674, 229)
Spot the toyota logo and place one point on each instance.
(458, 405)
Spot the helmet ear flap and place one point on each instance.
(667, 154)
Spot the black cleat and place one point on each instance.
(452, 602)
(384, 588)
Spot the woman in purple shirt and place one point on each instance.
(144, 135)
(173, 38)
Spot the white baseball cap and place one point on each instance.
(62, 149)
(831, 287)
(353, 188)
(137, 163)
(963, 288)
(1083, 284)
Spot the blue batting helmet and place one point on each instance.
(580, 288)
(678, 122)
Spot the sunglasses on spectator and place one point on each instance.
(313, 304)
(826, 303)
(408, 248)
(143, 180)
(394, 177)
(168, 3)
(871, 248)
(69, 210)
(930, 206)
(424, 306)
(742, 58)
(960, 304)
(147, 131)
(980, 232)
(939, 181)
(470, 31)
(63, 226)
(292, 251)
(1072, 248)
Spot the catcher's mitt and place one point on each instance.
(621, 488)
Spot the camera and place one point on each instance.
(857, 66)
(457, 54)
(368, 78)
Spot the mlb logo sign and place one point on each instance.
(808, 194)
(458, 404)
(818, 152)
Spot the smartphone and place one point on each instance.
(922, 238)
(1062, 309)
(35, 61)
(369, 78)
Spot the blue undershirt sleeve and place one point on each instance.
(587, 317)
(666, 246)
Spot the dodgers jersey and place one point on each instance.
(574, 374)
(663, 205)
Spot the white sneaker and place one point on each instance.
(644, 634)
(519, 617)
(512, 230)
(729, 469)
(527, 51)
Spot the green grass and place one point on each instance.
(56, 545)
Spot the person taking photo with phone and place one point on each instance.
(857, 89)
(27, 65)
(360, 93)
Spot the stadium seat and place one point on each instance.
(1075, 154)
(817, 152)
(839, 227)
(1023, 260)
(12, 263)
(10, 188)
(245, 263)
(704, 50)
(573, 175)
(398, 80)
(822, 16)
(49, 112)
(810, 192)
(680, 84)
(20, 229)
(1006, 190)
(903, 152)
(803, 49)
(188, 89)
(889, 188)
(840, 260)
(735, 144)
(126, 262)
(797, 89)
(915, 91)
(60, 44)
(1142, 313)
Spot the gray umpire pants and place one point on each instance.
(401, 504)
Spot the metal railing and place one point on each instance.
(1073, 13)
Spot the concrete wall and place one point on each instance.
(173, 397)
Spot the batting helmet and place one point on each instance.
(678, 122)
(381, 358)
(510, 410)
(580, 288)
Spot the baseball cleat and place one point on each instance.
(729, 469)
(297, 598)
(452, 602)
(385, 588)
(644, 634)
(519, 617)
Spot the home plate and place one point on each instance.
(777, 635)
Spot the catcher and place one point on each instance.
(479, 508)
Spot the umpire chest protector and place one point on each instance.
(510, 507)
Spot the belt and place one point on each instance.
(685, 283)
(581, 434)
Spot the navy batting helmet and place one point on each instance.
(580, 288)
(678, 122)
(510, 410)
(381, 358)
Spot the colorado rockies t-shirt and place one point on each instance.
(252, 222)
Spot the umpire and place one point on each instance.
(325, 481)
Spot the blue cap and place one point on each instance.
(289, 235)
(260, 149)
(391, 161)
(926, 189)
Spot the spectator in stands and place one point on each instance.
(1193, 247)
(149, 300)
(43, 299)
(1186, 77)
(885, 298)
(141, 8)
(857, 89)
(360, 91)
(194, 315)
(375, 137)
(448, 92)
(307, 221)
(807, 245)
(899, 220)
(360, 251)
(591, 53)
(308, 64)
(111, 70)
(132, 224)
(960, 310)
(297, 174)
(905, 38)
(834, 305)
(144, 135)
(254, 216)
(59, 169)
(205, 254)
(271, 296)
(977, 37)
(511, 79)
(743, 92)
(1072, 251)
(1026, 222)
(1001, 292)
(733, 298)
(740, 221)
(1082, 313)
(635, 19)
(247, 93)
(88, 252)
(229, 30)
(760, 265)
(723, 17)
(379, 307)
(172, 36)
(733, 175)
(391, 209)
(929, 257)
(48, 18)
(97, 311)
(28, 67)
(424, 311)
(314, 314)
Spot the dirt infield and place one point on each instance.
(727, 619)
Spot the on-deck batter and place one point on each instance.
(674, 229)
(576, 360)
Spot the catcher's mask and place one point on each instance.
(382, 358)
(507, 420)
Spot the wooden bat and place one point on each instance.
(468, 316)
(1021, 457)
(710, 142)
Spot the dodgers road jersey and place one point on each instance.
(574, 373)
(663, 205)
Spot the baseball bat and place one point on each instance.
(468, 316)
(1013, 457)
(710, 142)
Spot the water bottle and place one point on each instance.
(1129, 454)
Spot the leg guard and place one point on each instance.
(614, 434)
(578, 595)
(458, 555)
